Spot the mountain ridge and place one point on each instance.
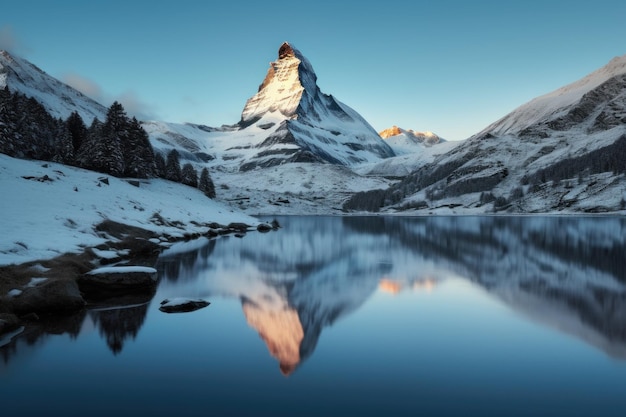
(562, 152)
(58, 98)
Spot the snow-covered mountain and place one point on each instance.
(404, 141)
(564, 151)
(310, 125)
(288, 120)
(598, 98)
(58, 98)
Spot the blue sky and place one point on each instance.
(451, 67)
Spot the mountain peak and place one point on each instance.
(399, 135)
(282, 88)
(302, 123)
(285, 50)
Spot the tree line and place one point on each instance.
(118, 146)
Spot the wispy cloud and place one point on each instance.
(10, 42)
(86, 86)
(135, 106)
(132, 103)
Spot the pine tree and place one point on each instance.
(63, 146)
(138, 153)
(8, 123)
(172, 166)
(189, 175)
(77, 129)
(159, 163)
(206, 184)
(102, 149)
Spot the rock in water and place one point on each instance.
(182, 305)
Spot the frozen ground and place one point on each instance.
(49, 209)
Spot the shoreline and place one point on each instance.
(36, 290)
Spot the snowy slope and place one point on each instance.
(59, 99)
(43, 218)
(556, 103)
(410, 157)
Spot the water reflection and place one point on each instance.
(117, 320)
(119, 324)
(567, 273)
(563, 272)
(39, 332)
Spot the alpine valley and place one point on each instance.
(296, 150)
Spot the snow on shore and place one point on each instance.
(48, 209)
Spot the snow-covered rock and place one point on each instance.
(121, 279)
(182, 305)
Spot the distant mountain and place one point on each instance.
(58, 98)
(408, 141)
(288, 120)
(564, 151)
(593, 103)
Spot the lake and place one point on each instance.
(484, 316)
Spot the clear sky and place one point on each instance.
(447, 66)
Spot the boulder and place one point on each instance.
(264, 228)
(51, 297)
(8, 323)
(108, 281)
(182, 305)
(240, 227)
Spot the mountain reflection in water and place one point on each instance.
(565, 272)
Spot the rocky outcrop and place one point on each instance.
(108, 281)
(53, 297)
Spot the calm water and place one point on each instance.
(485, 316)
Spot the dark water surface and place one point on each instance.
(484, 316)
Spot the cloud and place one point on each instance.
(132, 103)
(84, 85)
(135, 106)
(10, 42)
